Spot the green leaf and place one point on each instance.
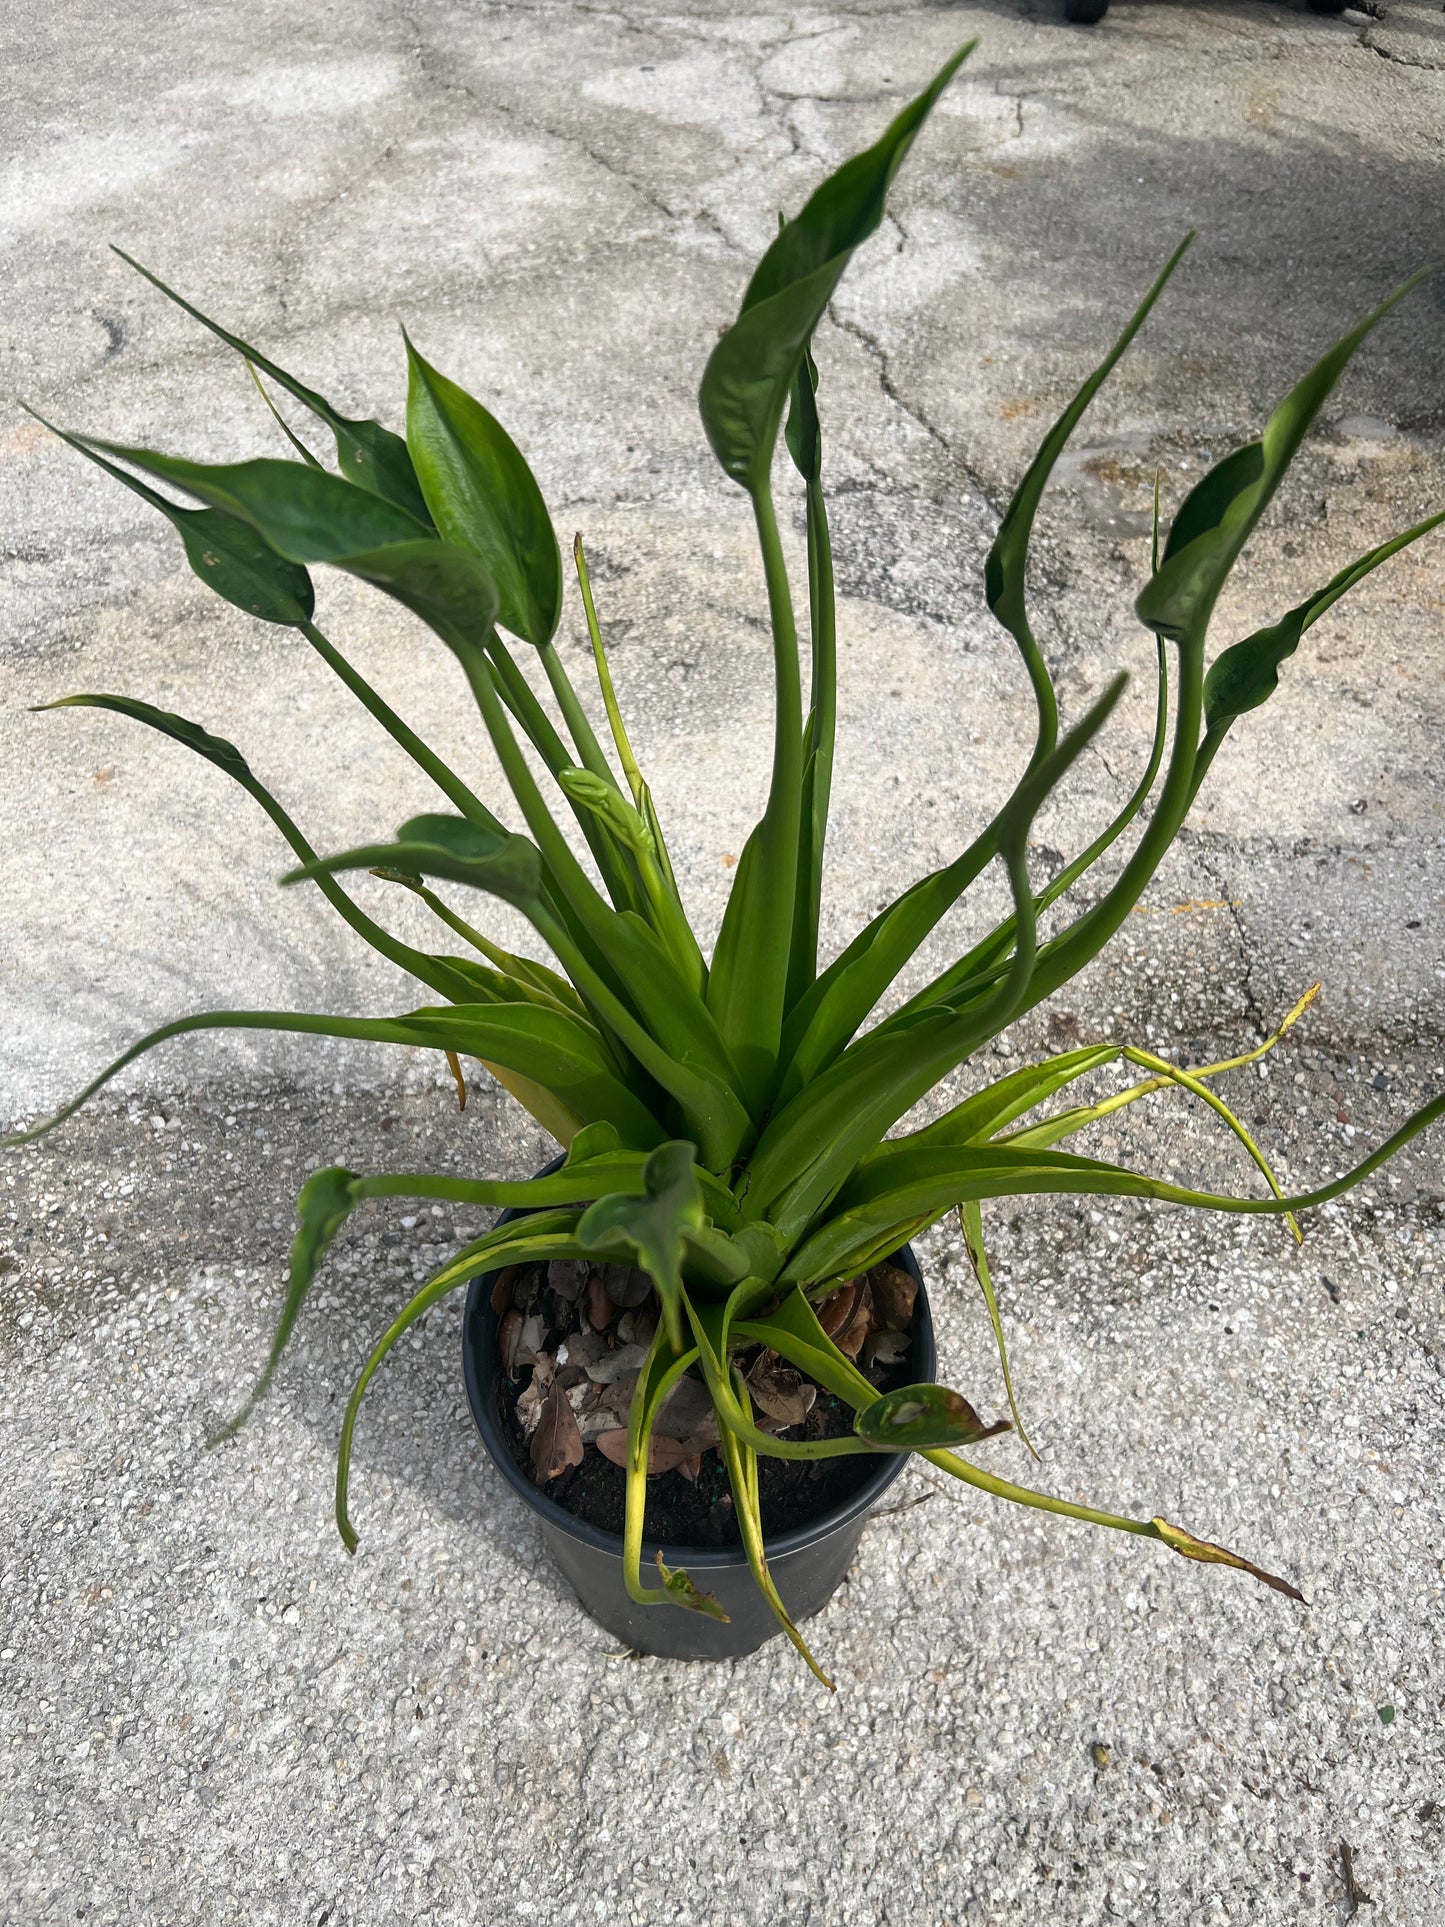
(918, 1418)
(971, 1219)
(1006, 567)
(1247, 674)
(803, 433)
(650, 1229)
(1218, 516)
(751, 371)
(369, 455)
(326, 1201)
(544, 1046)
(484, 498)
(603, 800)
(524, 1241)
(452, 847)
(311, 516)
(228, 555)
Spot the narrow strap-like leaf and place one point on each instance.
(1007, 564)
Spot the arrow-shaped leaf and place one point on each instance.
(369, 455)
(484, 498)
(1247, 674)
(229, 555)
(750, 373)
(1217, 517)
(920, 1418)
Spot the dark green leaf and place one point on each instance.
(803, 433)
(311, 516)
(1006, 567)
(484, 498)
(650, 1229)
(452, 847)
(1218, 516)
(1247, 674)
(326, 1201)
(544, 1046)
(368, 454)
(919, 1418)
(228, 555)
(750, 372)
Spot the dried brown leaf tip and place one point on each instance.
(556, 1443)
(1185, 1543)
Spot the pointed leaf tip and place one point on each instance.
(751, 371)
(484, 498)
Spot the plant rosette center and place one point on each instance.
(572, 1341)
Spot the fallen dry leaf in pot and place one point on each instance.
(779, 1391)
(663, 1454)
(509, 1338)
(890, 1347)
(598, 1307)
(502, 1288)
(534, 1334)
(894, 1293)
(556, 1443)
(626, 1287)
(638, 1327)
(582, 1348)
(626, 1362)
(567, 1276)
(534, 1396)
(846, 1315)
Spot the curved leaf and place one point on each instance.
(1247, 674)
(1007, 563)
(484, 498)
(918, 1418)
(751, 370)
(227, 554)
(548, 1047)
(369, 455)
(1217, 517)
(653, 1228)
(452, 847)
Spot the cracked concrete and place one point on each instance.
(211, 1715)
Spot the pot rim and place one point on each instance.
(478, 1329)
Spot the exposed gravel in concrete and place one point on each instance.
(210, 1714)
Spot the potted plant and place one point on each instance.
(706, 1310)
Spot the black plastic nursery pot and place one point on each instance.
(808, 1565)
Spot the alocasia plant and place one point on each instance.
(726, 1122)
